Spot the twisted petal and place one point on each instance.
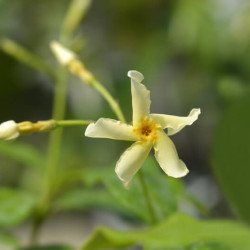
(8, 130)
(176, 123)
(112, 129)
(140, 96)
(131, 161)
(167, 157)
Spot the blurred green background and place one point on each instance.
(193, 54)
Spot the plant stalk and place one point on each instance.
(59, 105)
(147, 197)
(68, 123)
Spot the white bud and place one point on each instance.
(8, 130)
(63, 55)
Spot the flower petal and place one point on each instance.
(176, 123)
(140, 96)
(8, 130)
(131, 161)
(112, 129)
(167, 157)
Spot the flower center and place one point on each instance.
(146, 129)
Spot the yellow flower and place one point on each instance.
(147, 131)
(8, 131)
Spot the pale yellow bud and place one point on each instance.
(63, 55)
(8, 130)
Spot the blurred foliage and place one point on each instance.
(163, 192)
(231, 156)
(8, 241)
(16, 206)
(177, 231)
(160, 191)
(23, 153)
(48, 248)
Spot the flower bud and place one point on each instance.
(8, 130)
(63, 55)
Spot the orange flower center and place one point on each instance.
(146, 129)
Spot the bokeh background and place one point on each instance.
(193, 54)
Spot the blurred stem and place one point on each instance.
(77, 68)
(27, 127)
(54, 146)
(147, 197)
(37, 222)
(75, 13)
(56, 136)
(66, 123)
(109, 98)
(23, 55)
(202, 208)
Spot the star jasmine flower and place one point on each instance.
(8, 131)
(147, 131)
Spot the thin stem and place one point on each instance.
(23, 55)
(37, 221)
(108, 97)
(147, 197)
(77, 68)
(76, 12)
(53, 154)
(56, 136)
(66, 123)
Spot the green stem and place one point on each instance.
(108, 97)
(66, 123)
(37, 221)
(56, 136)
(76, 12)
(53, 154)
(23, 55)
(147, 197)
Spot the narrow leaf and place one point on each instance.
(86, 199)
(23, 153)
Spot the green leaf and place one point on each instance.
(207, 246)
(23, 153)
(131, 199)
(15, 206)
(230, 157)
(48, 248)
(177, 231)
(86, 199)
(196, 246)
(160, 191)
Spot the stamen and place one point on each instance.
(146, 130)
